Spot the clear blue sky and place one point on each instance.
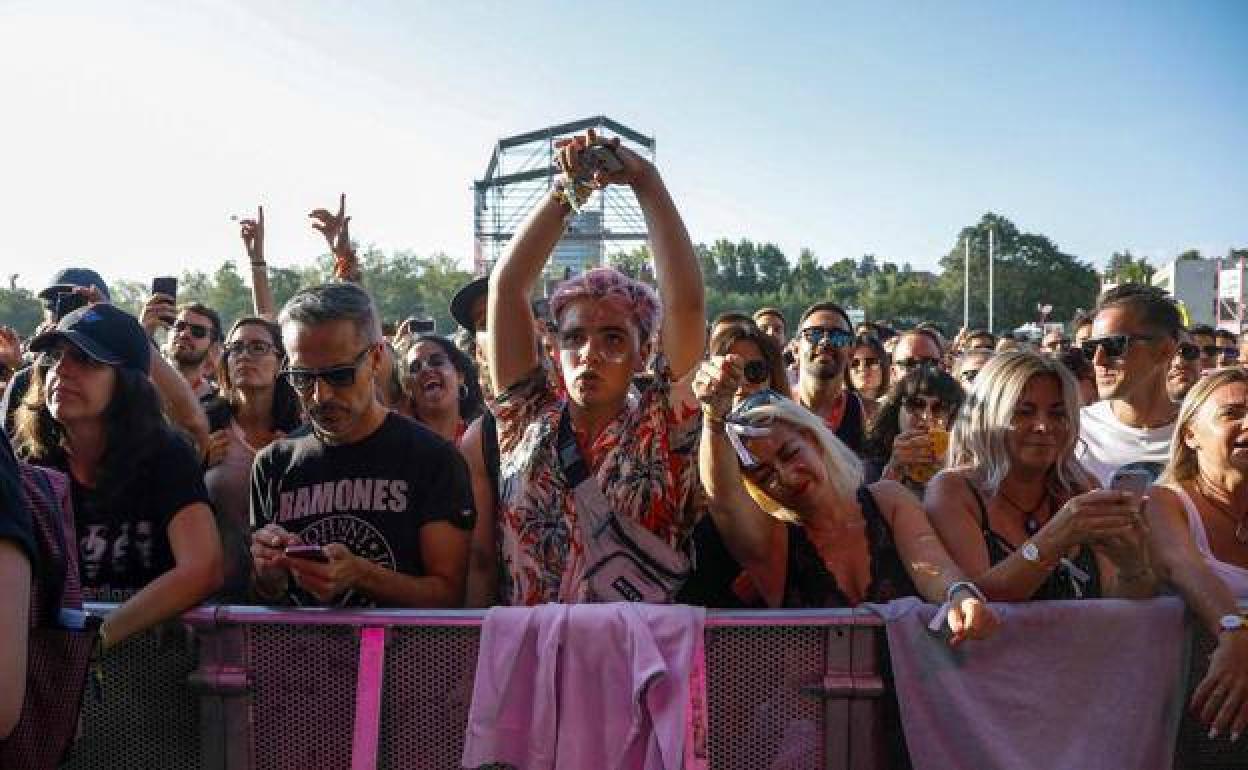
(133, 130)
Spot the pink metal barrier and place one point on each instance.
(276, 688)
(261, 688)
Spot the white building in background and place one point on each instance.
(1193, 283)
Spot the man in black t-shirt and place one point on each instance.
(378, 508)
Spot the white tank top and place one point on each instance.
(1235, 577)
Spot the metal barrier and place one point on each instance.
(261, 689)
(275, 689)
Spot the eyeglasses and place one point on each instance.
(198, 331)
(1188, 351)
(253, 348)
(334, 376)
(910, 363)
(919, 406)
(434, 361)
(1115, 344)
(863, 363)
(829, 335)
(1229, 353)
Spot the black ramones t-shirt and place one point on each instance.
(123, 544)
(372, 496)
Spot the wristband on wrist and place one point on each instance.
(963, 585)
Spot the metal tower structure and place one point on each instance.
(522, 169)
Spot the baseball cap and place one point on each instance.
(102, 331)
(462, 302)
(70, 277)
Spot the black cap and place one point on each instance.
(70, 277)
(462, 302)
(102, 331)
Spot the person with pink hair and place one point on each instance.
(640, 450)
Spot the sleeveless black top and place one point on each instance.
(1063, 582)
(808, 583)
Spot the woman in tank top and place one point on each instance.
(1016, 510)
(832, 541)
(1198, 513)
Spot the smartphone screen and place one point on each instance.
(309, 552)
(166, 284)
(1134, 481)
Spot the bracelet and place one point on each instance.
(959, 585)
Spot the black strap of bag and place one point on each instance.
(625, 561)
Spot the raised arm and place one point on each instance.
(512, 344)
(337, 232)
(252, 231)
(755, 539)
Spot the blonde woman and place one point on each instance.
(1017, 511)
(1198, 513)
(845, 543)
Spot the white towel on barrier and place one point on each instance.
(1064, 684)
(588, 685)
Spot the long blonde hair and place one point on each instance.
(980, 432)
(1183, 464)
(843, 466)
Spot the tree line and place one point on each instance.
(1029, 270)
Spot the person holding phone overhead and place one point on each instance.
(384, 503)
(1017, 511)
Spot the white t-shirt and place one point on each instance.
(1106, 444)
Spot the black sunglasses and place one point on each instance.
(334, 376)
(1188, 351)
(1115, 345)
(198, 331)
(820, 335)
(911, 363)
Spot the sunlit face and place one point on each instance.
(1145, 361)
(1040, 426)
(599, 351)
(1219, 430)
(822, 361)
(773, 326)
(430, 378)
(251, 357)
(1082, 333)
(190, 340)
(1183, 372)
(480, 332)
(790, 468)
(77, 387)
(913, 351)
(1055, 343)
(1207, 355)
(338, 413)
(923, 412)
(866, 370)
(981, 342)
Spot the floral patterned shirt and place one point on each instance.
(645, 462)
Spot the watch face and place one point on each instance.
(1030, 552)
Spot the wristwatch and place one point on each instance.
(1030, 552)
(1231, 623)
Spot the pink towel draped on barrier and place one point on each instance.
(590, 685)
(1065, 684)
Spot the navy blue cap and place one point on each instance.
(67, 279)
(104, 332)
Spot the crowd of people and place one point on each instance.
(305, 457)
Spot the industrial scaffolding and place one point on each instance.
(522, 170)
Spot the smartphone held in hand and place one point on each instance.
(308, 553)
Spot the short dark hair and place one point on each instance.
(731, 317)
(923, 331)
(200, 308)
(1223, 334)
(829, 307)
(1204, 330)
(1150, 304)
(1081, 319)
(973, 333)
(762, 311)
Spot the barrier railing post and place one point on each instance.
(223, 685)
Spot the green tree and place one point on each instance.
(20, 310)
(772, 268)
(635, 263)
(1123, 267)
(807, 278)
